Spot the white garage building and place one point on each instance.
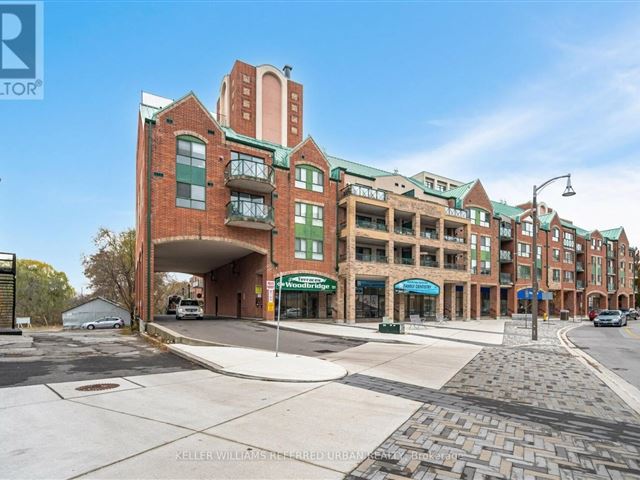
(93, 309)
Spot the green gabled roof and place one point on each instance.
(545, 220)
(461, 191)
(357, 168)
(567, 223)
(280, 153)
(612, 234)
(500, 208)
(583, 233)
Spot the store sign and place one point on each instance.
(417, 285)
(306, 283)
(527, 294)
(370, 283)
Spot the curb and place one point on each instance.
(627, 392)
(272, 324)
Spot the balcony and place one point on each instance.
(455, 266)
(249, 175)
(456, 212)
(365, 192)
(365, 257)
(452, 238)
(404, 231)
(579, 248)
(404, 261)
(580, 284)
(506, 279)
(242, 213)
(611, 288)
(427, 262)
(579, 267)
(485, 271)
(505, 256)
(371, 225)
(611, 254)
(506, 233)
(430, 234)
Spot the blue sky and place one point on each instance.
(510, 93)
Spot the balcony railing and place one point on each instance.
(404, 261)
(580, 284)
(505, 256)
(506, 279)
(363, 257)
(243, 213)
(579, 267)
(431, 234)
(371, 225)
(506, 233)
(366, 192)
(611, 288)
(427, 262)
(453, 238)
(611, 254)
(485, 271)
(456, 212)
(250, 175)
(404, 231)
(455, 266)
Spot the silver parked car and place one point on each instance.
(630, 313)
(189, 308)
(106, 322)
(615, 318)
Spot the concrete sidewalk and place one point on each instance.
(261, 364)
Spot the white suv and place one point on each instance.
(188, 308)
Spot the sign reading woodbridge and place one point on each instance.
(306, 283)
(417, 285)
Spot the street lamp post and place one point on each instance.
(568, 192)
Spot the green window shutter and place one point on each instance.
(183, 173)
(197, 176)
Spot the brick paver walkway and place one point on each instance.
(514, 411)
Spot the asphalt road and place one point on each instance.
(246, 333)
(617, 348)
(81, 355)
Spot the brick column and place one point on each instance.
(322, 305)
(350, 316)
(466, 301)
(494, 301)
(339, 302)
(440, 302)
(401, 307)
(452, 301)
(388, 297)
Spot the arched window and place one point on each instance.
(309, 178)
(480, 217)
(190, 172)
(556, 234)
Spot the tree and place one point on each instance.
(42, 292)
(111, 269)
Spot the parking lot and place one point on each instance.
(50, 357)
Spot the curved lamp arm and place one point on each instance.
(551, 180)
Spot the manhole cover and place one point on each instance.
(95, 387)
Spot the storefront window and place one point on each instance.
(370, 300)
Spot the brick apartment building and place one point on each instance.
(239, 198)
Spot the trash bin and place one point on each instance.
(391, 327)
(564, 314)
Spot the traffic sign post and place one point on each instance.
(279, 309)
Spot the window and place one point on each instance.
(429, 184)
(486, 244)
(301, 248)
(556, 254)
(524, 271)
(524, 250)
(568, 276)
(569, 241)
(441, 187)
(309, 178)
(479, 217)
(527, 229)
(316, 250)
(568, 257)
(316, 215)
(248, 165)
(301, 213)
(555, 274)
(190, 173)
(622, 250)
(556, 234)
(474, 253)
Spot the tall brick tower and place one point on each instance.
(262, 102)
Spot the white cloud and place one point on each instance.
(581, 116)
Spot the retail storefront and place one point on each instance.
(417, 296)
(370, 298)
(306, 296)
(525, 296)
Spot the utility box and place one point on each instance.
(564, 314)
(391, 327)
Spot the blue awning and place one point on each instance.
(527, 294)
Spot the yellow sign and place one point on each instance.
(258, 289)
(270, 307)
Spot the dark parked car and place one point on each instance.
(610, 317)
